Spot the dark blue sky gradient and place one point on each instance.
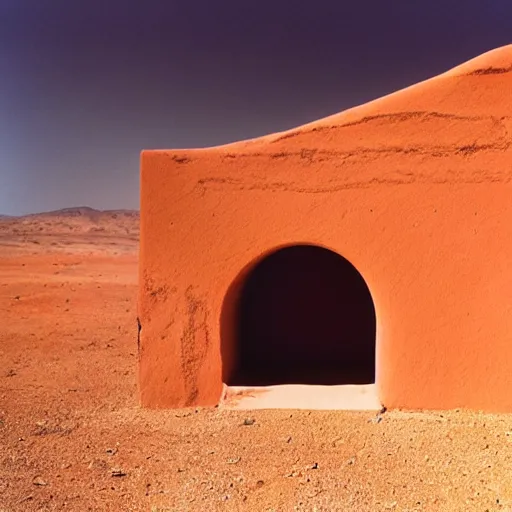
(85, 85)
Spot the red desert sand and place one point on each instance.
(389, 223)
(73, 436)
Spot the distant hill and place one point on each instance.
(77, 211)
(85, 211)
(76, 220)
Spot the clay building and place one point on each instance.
(374, 245)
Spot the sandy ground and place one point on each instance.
(72, 436)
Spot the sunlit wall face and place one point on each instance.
(85, 86)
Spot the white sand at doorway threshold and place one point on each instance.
(298, 396)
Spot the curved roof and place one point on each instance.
(470, 104)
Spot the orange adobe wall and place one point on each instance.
(413, 189)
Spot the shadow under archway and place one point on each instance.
(302, 315)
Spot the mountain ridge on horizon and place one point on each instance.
(76, 211)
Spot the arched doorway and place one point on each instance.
(303, 315)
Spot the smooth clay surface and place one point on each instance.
(413, 190)
(347, 397)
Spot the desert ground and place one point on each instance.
(73, 436)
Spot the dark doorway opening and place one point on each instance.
(304, 316)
